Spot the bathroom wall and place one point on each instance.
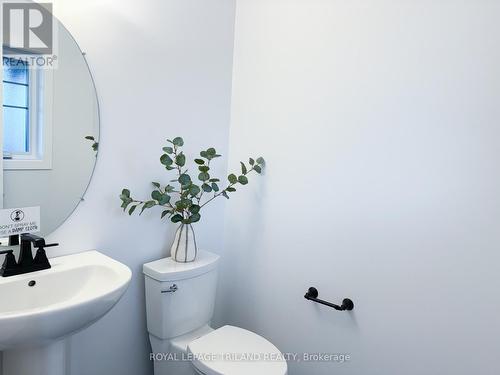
(162, 69)
(379, 124)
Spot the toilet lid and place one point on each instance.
(235, 351)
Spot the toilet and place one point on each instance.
(180, 301)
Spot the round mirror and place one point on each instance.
(50, 125)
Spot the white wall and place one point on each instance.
(162, 68)
(379, 123)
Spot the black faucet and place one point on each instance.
(26, 262)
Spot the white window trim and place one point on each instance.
(40, 156)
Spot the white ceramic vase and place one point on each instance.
(184, 247)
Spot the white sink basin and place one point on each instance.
(77, 291)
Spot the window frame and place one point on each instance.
(40, 101)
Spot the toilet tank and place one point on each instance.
(180, 297)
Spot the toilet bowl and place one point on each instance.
(180, 301)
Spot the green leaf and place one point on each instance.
(125, 203)
(232, 178)
(231, 189)
(209, 153)
(124, 197)
(224, 194)
(178, 141)
(194, 209)
(243, 180)
(194, 218)
(199, 161)
(166, 160)
(132, 209)
(90, 138)
(169, 189)
(156, 195)
(215, 187)
(168, 150)
(176, 218)
(184, 179)
(214, 180)
(156, 184)
(257, 169)
(164, 213)
(183, 203)
(194, 190)
(204, 168)
(147, 205)
(165, 198)
(203, 176)
(206, 188)
(180, 160)
(243, 168)
(261, 161)
(126, 193)
(150, 204)
(251, 161)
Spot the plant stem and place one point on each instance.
(219, 194)
(168, 205)
(201, 193)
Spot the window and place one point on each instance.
(16, 109)
(27, 100)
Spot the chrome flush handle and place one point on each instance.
(173, 288)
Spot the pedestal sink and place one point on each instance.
(39, 310)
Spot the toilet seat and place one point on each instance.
(236, 351)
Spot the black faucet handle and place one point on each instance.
(40, 256)
(9, 264)
(47, 245)
(14, 240)
(6, 252)
(41, 259)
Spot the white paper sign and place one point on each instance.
(19, 220)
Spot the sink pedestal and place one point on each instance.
(41, 360)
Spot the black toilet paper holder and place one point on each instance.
(312, 295)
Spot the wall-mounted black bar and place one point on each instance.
(312, 295)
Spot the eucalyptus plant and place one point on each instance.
(183, 200)
(95, 144)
